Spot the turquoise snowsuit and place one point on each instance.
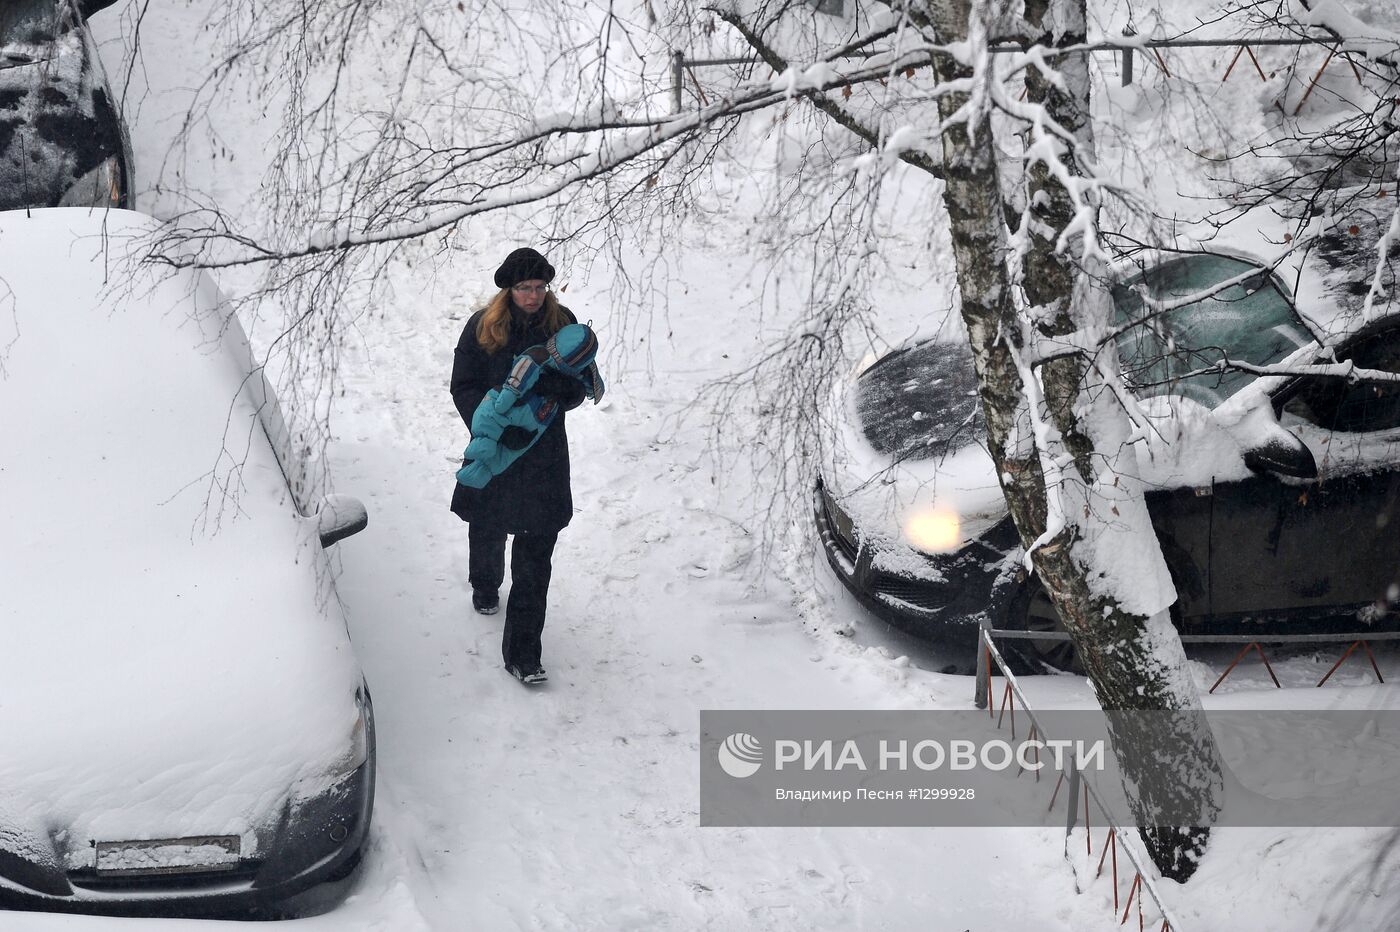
(510, 419)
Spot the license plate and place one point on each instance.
(840, 520)
(168, 855)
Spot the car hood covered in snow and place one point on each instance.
(175, 661)
(912, 458)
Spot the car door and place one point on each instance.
(1182, 519)
(1283, 545)
(1172, 353)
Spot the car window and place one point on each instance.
(28, 22)
(1351, 407)
(1253, 321)
(62, 142)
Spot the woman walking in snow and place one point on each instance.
(531, 499)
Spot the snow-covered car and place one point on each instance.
(1273, 497)
(184, 724)
(62, 141)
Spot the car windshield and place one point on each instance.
(1253, 321)
(920, 402)
(27, 22)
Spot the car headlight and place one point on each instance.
(359, 733)
(933, 530)
(940, 528)
(100, 187)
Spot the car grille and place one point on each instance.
(840, 522)
(911, 593)
(88, 879)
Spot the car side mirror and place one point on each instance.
(340, 516)
(1282, 454)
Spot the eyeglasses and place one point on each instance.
(529, 289)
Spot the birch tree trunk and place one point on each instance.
(1075, 496)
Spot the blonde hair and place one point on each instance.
(493, 330)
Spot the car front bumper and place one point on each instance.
(312, 841)
(943, 606)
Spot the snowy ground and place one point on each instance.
(576, 806)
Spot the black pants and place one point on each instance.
(530, 568)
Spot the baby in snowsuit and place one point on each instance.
(510, 419)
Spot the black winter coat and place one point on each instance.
(532, 496)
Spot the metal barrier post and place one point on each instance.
(1072, 810)
(980, 697)
(677, 77)
(1128, 58)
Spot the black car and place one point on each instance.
(1275, 509)
(62, 141)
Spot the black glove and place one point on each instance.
(565, 389)
(516, 438)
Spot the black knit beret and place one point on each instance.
(522, 265)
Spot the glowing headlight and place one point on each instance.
(359, 742)
(359, 733)
(934, 530)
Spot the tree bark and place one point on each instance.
(1133, 656)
